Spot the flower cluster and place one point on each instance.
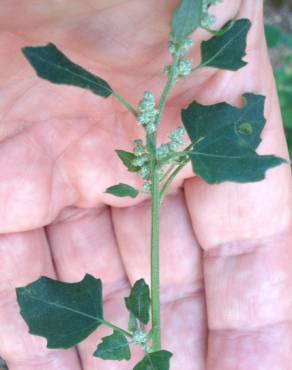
(207, 19)
(148, 113)
(176, 141)
(179, 49)
(164, 154)
(140, 338)
(143, 161)
(182, 69)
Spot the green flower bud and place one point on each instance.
(144, 172)
(140, 161)
(139, 337)
(151, 128)
(148, 113)
(179, 49)
(176, 139)
(148, 96)
(208, 21)
(147, 187)
(162, 152)
(139, 148)
(184, 68)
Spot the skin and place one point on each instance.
(226, 249)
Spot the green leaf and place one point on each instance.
(127, 159)
(273, 35)
(226, 51)
(63, 313)
(139, 301)
(159, 360)
(122, 190)
(226, 138)
(52, 65)
(132, 325)
(186, 18)
(114, 347)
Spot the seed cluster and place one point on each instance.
(164, 156)
(179, 49)
(143, 161)
(176, 141)
(148, 113)
(139, 337)
(208, 20)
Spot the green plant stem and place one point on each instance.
(155, 217)
(125, 104)
(177, 169)
(116, 328)
(155, 278)
(195, 69)
(169, 84)
(168, 172)
(171, 178)
(151, 139)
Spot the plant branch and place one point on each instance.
(125, 103)
(180, 166)
(155, 278)
(171, 178)
(199, 66)
(169, 84)
(155, 216)
(116, 328)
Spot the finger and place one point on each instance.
(183, 313)
(233, 219)
(248, 290)
(226, 212)
(82, 241)
(24, 258)
(26, 16)
(245, 231)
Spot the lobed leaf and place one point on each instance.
(113, 347)
(122, 190)
(127, 159)
(139, 301)
(186, 18)
(226, 138)
(159, 360)
(63, 313)
(52, 65)
(227, 50)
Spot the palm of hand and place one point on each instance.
(57, 158)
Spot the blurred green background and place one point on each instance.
(278, 28)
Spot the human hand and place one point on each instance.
(225, 274)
